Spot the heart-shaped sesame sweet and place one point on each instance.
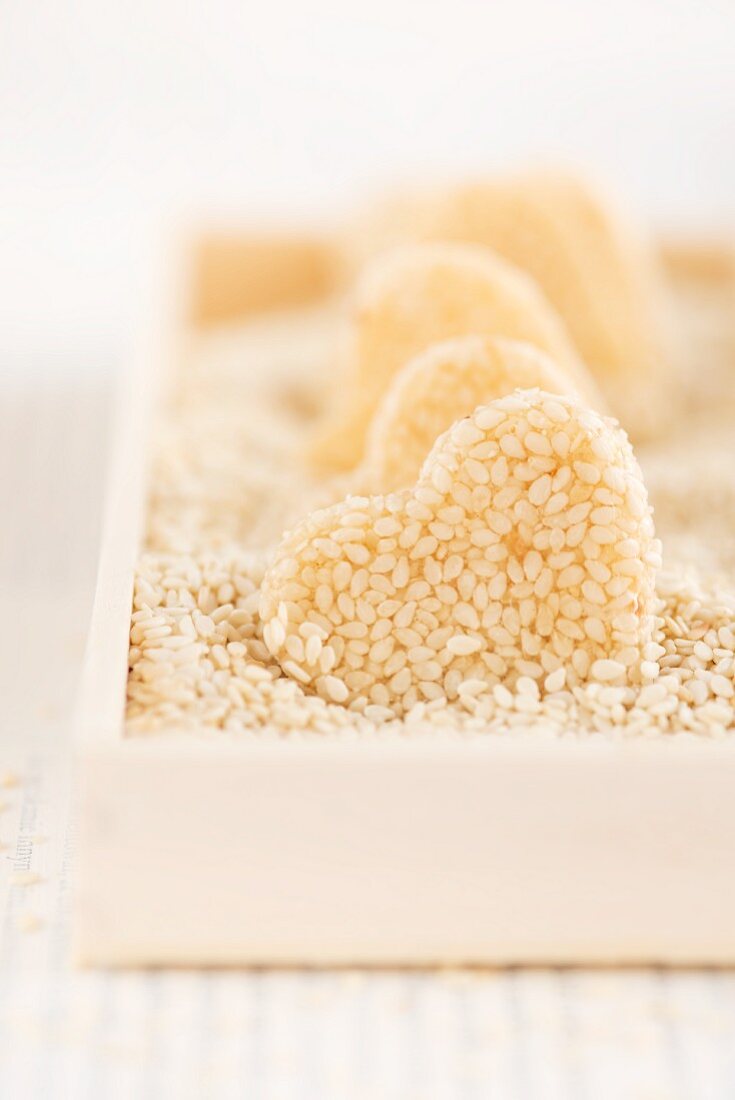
(417, 296)
(591, 266)
(438, 387)
(526, 546)
(432, 391)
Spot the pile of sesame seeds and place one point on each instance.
(199, 665)
(226, 470)
(199, 661)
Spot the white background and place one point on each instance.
(116, 118)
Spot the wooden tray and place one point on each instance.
(488, 851)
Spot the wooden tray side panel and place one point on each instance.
(407, 855)
(236, 276)
(100, 708)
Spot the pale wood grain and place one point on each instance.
(52, 458)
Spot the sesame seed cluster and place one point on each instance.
(526, 549)
(693, 481)
(214, 479)
(198, 664)
(226, 468)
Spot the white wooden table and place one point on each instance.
(314, 1035)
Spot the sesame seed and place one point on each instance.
(555, 680)
(606, 669)
(463, 644)
(335, 689)
(502, 696)
(722, 686)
